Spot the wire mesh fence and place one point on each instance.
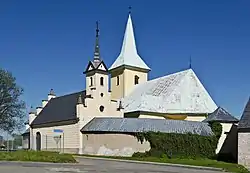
(45, 142)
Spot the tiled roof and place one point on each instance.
(128, 55)
(221, 115)
(244, 122)
(131, 125)
(58, 109)
(181, 92)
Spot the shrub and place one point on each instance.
(175, 145)
(216, 128)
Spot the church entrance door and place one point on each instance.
(38, 141)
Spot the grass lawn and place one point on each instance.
(37, 156)
(229, 167)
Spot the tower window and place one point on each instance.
(136, 79)
(101, 81)
(117, 80)
(91, 81)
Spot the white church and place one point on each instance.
(100, 120)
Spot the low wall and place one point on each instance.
(244, 148)
(112, 144)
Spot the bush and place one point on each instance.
(37, 156)
(216, 128)
(175, 145)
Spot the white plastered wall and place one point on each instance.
(226, 127)
(69, 141)
(244, 149)
(112, 144)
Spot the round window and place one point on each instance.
(101, 108)
(102, 94)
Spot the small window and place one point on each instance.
(117, 80)
(101, 81)
(136, 79)
(91, 81)
(102, 94)
(101, 108)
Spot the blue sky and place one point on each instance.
(47, 44)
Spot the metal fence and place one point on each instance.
(46, 142)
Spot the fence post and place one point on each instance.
(46, 140)
(60, 143)
(63, 142)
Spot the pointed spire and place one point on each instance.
(128, 55)
(97, 49)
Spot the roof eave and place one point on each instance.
(146, 70)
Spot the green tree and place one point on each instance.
(11, 106)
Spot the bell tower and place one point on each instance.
(129, 69)
(96, 72)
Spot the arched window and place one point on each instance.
(91, 81)
(136, 79)
(117, 80)
(101, 81)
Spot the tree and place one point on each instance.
(11, 106)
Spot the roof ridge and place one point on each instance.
(69, 94)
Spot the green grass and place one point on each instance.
(229, 167)
(37, 156)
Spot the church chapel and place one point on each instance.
(98, 119)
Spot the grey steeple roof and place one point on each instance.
(245, 118)
(97, 61)
(221, 115)
(97, 57)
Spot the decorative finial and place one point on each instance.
(190, 62)
(129, 9)
(51, 92)
(97, 29)
(79, 101)
(31, 110)
(97, 49)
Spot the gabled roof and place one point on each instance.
(133, 125)
(244, 122)
(59, 109)
(94, 66)
(128, 55)
(181, 92)
(222, 116)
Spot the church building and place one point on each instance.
(100, 120)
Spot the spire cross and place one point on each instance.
(190, 62)
(97, 29)
(129, 9)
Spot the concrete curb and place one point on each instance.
(153, 163)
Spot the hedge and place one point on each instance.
(175, 145)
